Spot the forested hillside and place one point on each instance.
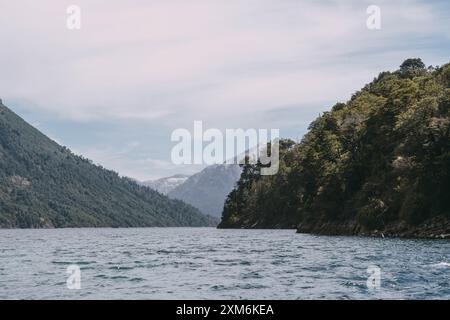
(379, 163)
(43, 184)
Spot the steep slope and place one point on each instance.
(43, 184)
(208, 189)
(379, 163)
(167, 184)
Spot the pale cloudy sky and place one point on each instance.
(116, 89)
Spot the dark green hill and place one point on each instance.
(379, 163)
(43, 184)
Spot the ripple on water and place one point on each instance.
(120, 268)
(443, 264)
(251, 275)
(80, 263)
(199, 263)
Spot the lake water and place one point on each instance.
(205, 263)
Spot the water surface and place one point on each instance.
(205, 263)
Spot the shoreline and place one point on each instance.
(434, 228)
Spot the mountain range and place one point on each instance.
(45, 185)
(208, 189)
(205, 190)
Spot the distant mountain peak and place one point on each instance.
(167, 184)
(208, 189)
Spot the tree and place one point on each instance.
(412, 66)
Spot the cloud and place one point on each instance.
(149, 60)
(140, 168)
(230, 63)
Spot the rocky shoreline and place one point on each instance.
(435, 228)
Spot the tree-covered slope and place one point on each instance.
(379, 163)
(43, 184)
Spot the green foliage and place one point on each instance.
(371, 215)
(383, 157)
(45, 185)
(412, 66)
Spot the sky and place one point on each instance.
(115, 89)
